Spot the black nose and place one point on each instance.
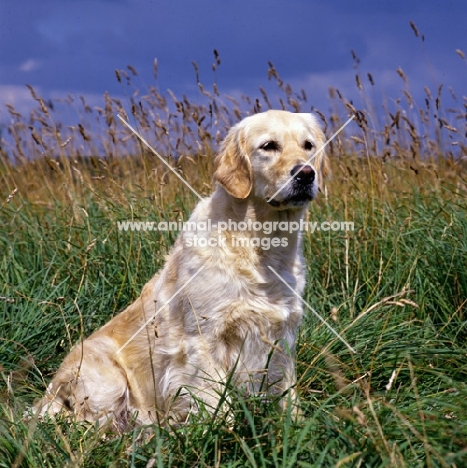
(304, 174)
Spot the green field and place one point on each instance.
(395, 287)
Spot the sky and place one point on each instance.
(72, 47)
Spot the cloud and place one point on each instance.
(17, 96)
(62, 48)
(29, 65)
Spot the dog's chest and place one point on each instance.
(242, 299)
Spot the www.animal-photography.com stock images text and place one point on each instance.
(233, 234)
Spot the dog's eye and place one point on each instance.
(308, 145)
(270, 146)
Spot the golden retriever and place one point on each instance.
(217, 310)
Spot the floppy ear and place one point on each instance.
(233, 167)
(324, 166)
(322, 160)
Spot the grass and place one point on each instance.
(395, 287)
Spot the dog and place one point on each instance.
(226, 305)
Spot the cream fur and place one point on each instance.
(229, 319)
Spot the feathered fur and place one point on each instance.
(235, 317)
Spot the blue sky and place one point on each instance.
(72, 47)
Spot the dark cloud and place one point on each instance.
(75, 46)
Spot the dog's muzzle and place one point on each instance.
(301, 188)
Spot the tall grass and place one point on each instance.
(395, 288)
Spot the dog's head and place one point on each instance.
(275, 156)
